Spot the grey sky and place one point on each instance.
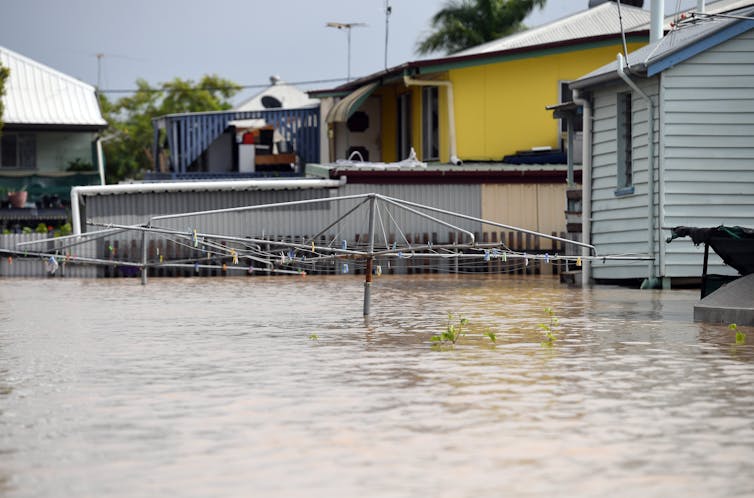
(245, 41)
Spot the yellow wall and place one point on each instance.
(500, 107)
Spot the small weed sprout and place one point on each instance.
(313, 337)
(453, 331)
(740, 336)
(491, 334)
(549, 328)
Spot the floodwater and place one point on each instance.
(278, 387)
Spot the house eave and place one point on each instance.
(53, 127)
(637, 70)
(428, 66)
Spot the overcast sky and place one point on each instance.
(245, 41)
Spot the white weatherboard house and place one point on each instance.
(51, 123)
(699, 83)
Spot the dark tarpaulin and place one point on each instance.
(735, 245)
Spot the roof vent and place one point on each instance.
(270, 102)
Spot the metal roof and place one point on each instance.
(36, 94)
(288, 96)
(598, 21)
(685, 41)
(596, 24)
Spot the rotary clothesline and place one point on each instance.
(205, 250)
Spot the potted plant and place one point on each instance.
(18, 198)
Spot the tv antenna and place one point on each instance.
(347, 26)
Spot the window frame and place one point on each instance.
(430, 123)
(25, 145)
(403, 128)
(624, 144)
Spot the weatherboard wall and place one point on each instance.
(708, 148)
(620, 221)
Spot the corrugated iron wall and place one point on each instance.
(510, 204)
(135, 209)
(539, 207)
(32, 266)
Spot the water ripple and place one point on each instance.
(279, 387)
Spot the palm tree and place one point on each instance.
(466, 23)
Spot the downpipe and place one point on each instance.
(652, 282)
(586, 186)
(408, 81)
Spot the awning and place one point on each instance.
(350, 103)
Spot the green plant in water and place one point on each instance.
(453, 331)
(492, 336)
(549, 328)
(740, 336)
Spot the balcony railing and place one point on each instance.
(190, 134)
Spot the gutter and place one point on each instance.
(651, 281)
(78, 193)
(408, 81)
(586, 187)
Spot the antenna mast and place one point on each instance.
(388, 11)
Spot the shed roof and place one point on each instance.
(687, 39)
(36, 94)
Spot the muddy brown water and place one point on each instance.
(279, 387)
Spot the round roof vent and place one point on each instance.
(270, 102)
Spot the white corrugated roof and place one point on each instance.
(675, 41)
(598, 21)
(287, 95)
(711, 7)
(36, 94)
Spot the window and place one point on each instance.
(430, 124)
(404, 126)
(625, 147)
(18, 150)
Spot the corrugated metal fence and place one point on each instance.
(23, 264)
(294, 223)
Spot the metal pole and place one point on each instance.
(144, 256)
(704, 270)
(388, 11)
(370, 257)
(348, 29)
(569, 177)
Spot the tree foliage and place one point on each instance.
(128, 145)
(4, 74)
(462, 24)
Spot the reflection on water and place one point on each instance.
(212, 387)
